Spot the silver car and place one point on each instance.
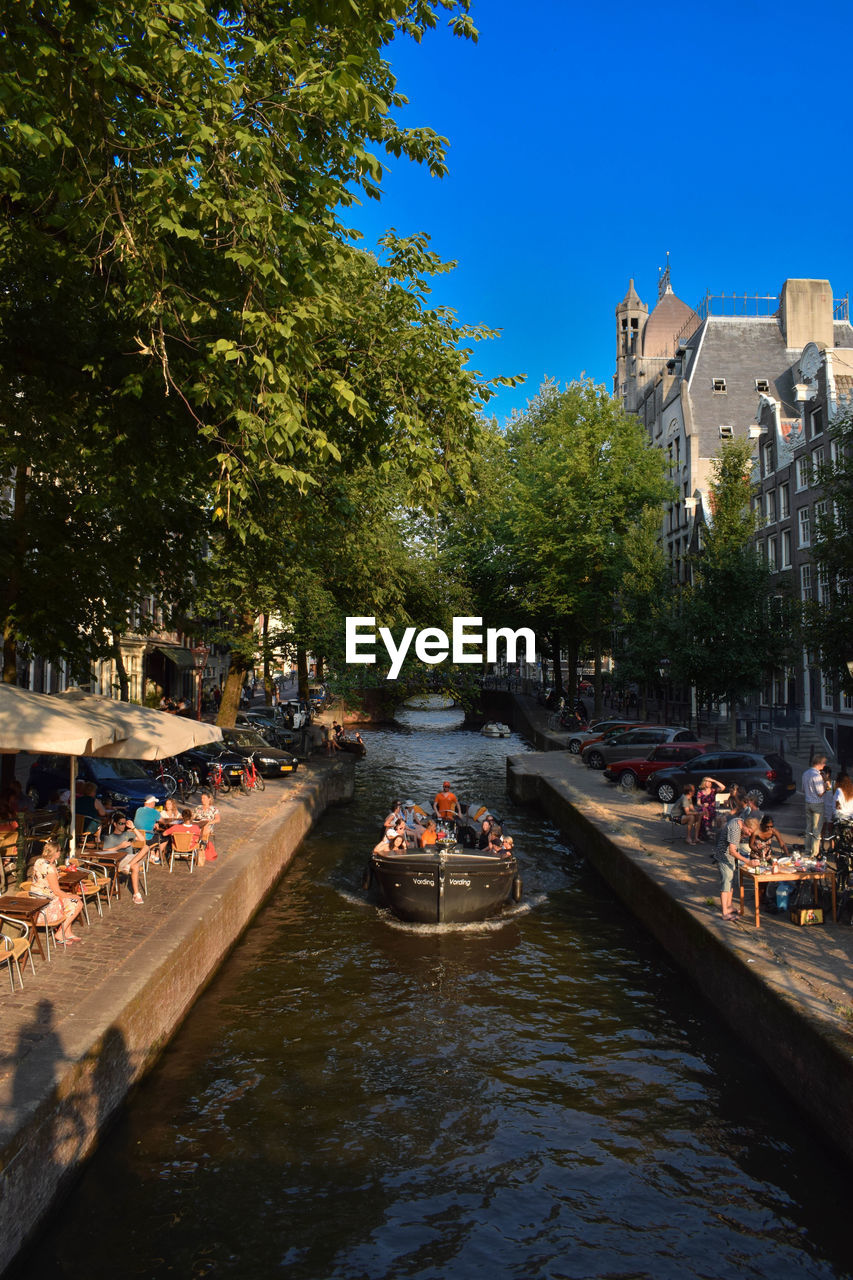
(633, 742)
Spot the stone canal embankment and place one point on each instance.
(785, 990)
(89, 1025)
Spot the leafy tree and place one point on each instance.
(581, 469)
(644, 606)
(732, 623)
(829, 620)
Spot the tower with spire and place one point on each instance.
(631, 317)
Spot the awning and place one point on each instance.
(181, 657)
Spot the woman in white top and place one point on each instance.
(843, 797)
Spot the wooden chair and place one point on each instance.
(101, 878)
(15, 945)
(8, 856)
(24, 887)
(184, 845)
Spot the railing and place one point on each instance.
(745, 304)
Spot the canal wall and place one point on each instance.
(785, 991)
(82, 1050)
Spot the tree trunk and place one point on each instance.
(302, 670)
(558, 669)
(15, 576)
(265, 651)
(121, 669)
(230, 704)
(596, 679)
(320, 661)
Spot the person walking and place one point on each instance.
(813, 789)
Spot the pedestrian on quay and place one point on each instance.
(813, 789)
(727, 853)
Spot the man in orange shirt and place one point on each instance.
(445, 803)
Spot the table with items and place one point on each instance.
(784, 870)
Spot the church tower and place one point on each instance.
(631, 317)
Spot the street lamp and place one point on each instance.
(199, 654)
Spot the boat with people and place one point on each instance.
(495, 729)
(446, 879)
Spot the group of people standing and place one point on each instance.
(829, 808)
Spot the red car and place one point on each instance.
(632, 773)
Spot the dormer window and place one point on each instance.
(726, 433)
(762, 384)
(719, 385)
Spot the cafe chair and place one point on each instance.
(8, 856)
(100, 877)
(15, 945)
(674, 826)
(184, 845)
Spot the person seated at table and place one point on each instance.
(706, 803)
(63, 908)
(761, 840)
(186, 824)
(207, 816)
(146, 817)
(89, 806)
(123, 835)
(685, 812)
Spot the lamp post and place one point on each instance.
(199, 654)
(663, 668)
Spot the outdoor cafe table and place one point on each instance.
(765, 875)
(25, 906)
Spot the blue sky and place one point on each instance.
(585, 145)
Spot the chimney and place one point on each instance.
(806, 313)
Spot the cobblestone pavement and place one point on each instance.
(51, 996)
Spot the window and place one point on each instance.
(803, 473)
(806, 582)
(847, 701)
(817, 465)
(767, 459)
(826, 692)
(805, 527)
(762, 384)
(719, 385)
(784, 502)
(816, 423)
(786, 549)
(823, 586)
(770, 505)
(819, 516)
(726, 433)
(771, 554)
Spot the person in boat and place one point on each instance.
(394, 816)
(446, 805)
(508, 847)
(428, 834)
(392, 842)
(485, 833)
(496, 839)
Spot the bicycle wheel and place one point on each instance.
(245, 785)
(170, 784)
(259, 782)
(222, 787)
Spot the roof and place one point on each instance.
(665, 324)
(738, 349)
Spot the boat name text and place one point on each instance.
(433, 645)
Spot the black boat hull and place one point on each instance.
(445, 888)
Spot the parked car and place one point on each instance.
(596, 732)
(272, 729)
(122, 784)
(203, 757)
(269, 761)
(636, 772)
(296, 713)
(765, 777)
(632, 742)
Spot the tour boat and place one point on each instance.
(495, 729)
(445, 883)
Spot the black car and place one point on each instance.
(202, 759)
(269, 761)
(765, 777)
(272, 730)
(120, 783)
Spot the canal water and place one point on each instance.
(542, 1095)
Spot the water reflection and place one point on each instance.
(544, 1097)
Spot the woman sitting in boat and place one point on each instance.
(486, 829)
(428, 834)
(391, 843)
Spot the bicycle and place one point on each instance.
(217, 781)
(168, 781)
(250, 779)
(187, 782)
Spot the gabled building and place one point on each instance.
(770, 369)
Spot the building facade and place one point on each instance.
(774, 370)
